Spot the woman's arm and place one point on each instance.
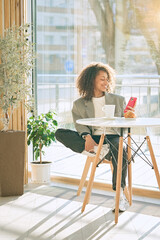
(76, 114)
(83, 130)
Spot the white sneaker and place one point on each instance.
(123, 204)
(103, 153)
(104, 150)
(90, 154)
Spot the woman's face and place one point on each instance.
(100, 84)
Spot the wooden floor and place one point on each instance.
(53, 211)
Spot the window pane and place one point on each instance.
(73, 33)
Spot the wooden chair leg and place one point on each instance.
(97, 159)
(119, 174)
(126, 193)
(153, 160)
(129, 170)
(90, 182)
(84, 175)
(111, 166)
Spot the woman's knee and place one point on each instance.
(70, 139)
(59, 133)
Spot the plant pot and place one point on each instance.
(40, 173)
(12, 157)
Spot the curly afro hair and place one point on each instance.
(86, 79)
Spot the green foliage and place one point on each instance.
(17, 57)
(41, 132)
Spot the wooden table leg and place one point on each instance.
(153, 160)
(84, 175)
(119, 174)
(129, 168)
(91, 178)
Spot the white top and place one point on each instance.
(119, 122)
(98, 104)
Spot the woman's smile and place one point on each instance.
(101, 83)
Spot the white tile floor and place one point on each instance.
(54, 212)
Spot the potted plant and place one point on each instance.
(41, 133)
(16, 63)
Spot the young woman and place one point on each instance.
(96, 84)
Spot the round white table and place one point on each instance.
(122, 123)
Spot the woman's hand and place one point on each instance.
(90, 143)
(131, 109)
(130, 113)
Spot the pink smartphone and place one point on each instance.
(131, 103)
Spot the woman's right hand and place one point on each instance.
(90, 143)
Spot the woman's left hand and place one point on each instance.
(131, 109)
(130, 113)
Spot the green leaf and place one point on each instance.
(37, 154)
(55, 122)
(41, 130)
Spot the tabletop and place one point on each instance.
(120, 122)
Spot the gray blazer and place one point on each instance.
(85, 109)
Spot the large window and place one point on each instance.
(73, 33)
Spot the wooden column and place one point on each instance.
(1, 33)
(13, 12)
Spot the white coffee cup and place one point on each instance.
(109, 110)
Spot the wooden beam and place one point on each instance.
(6, 14)
(19, 114)
(1, 17)
(24, 11)
(105, 187)
(1, 34)
(12, 12)
(17, 12)
(10, 119)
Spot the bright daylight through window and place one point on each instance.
(125, 34)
